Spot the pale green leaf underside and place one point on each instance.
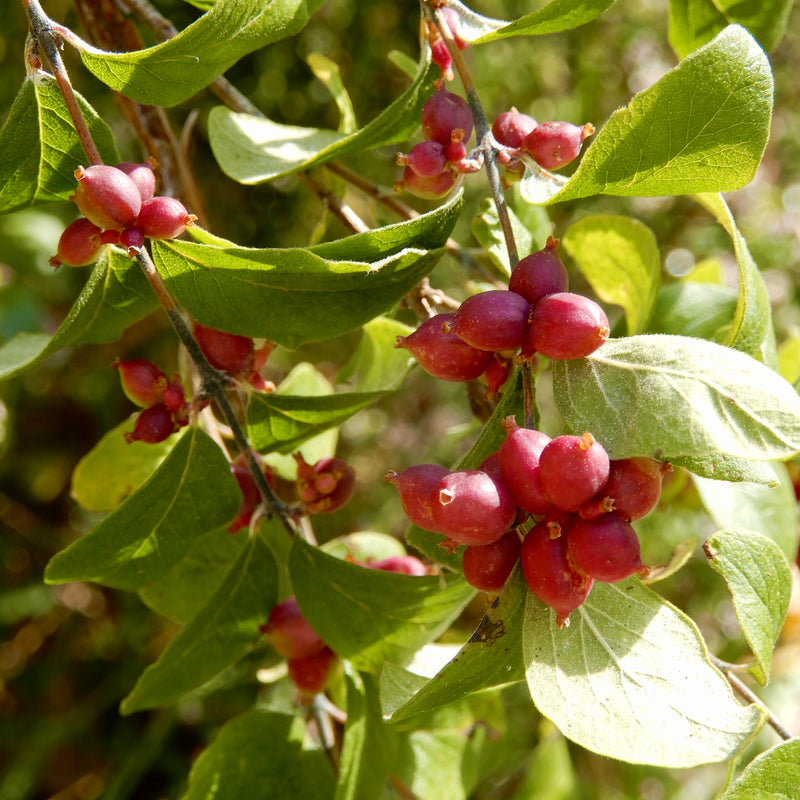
(774, 775)
(630, 679)
(760, 582)
(676, 396)
(702, 127)
(173, 71)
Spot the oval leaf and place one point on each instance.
(173, 71)
(774, 775)
(369, 616)
(619, 257)
(675, 396)
(193, 491)
(630, 679)
(760, 583)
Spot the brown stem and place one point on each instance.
(47, 38)
(528, 395)
(335, 204)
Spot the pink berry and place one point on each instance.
(415, 486)
(471, 507)
(325, 486)
(496, 374)
(142, 175)
(289, 633)
(555, 144)
(427, 159)
(142, 381)
(494, 320)
(487, 566)
(519, 466)
(511, 127)
(228, 352)
(444, 355)
(426, 188)
(443, 113)
(606, 548)
(632, 490)
(539, 274)
(573, 469)
(312, 674)
(452, 18)
(567, 325)
(79, 244)
(107, 196)
(163, 218)
(402, 565)
(440, 55)
(550, 575)
(153, 425)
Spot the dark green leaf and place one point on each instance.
(39, 149)
(702, 127)
(369, 616)
(253, 149)
(289, 296)
(116, 295)
(689, 308)
(260, 755)
(693, 22)
(223, 631)
(192, 492)
(673, 396)
(774, 775)
(630, 679)
(760, 583)
(280, 422)
(619, 257)
(173, 71)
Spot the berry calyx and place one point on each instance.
(415, 486)
(573, 469)
(289, 633)
(79, 245)
(555, 144)
(567, 325)
(107, 196)
(444, 355)
(142, 381)
(153, 425)
(494, 320)
(228, 352)
(487, 566)
(539, 274)
(606, 549)
(443, 113)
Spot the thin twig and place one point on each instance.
(335, 204)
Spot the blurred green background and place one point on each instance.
(69, 654)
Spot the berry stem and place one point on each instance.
(528, 395)
(335, 204)
(214, 384)
(47, 35)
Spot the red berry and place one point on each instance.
(566, 325)
(107, 196)
(163, 218)
(573, 469)
(519, 466)
(539, 274)
(550, 575)
(493, 320)
(154, 424)
(142, 175)
(416, 486)
(132, 239)
(427, 159)
(79, 245)
(471, 507)
(606, 549)
(251, 497)
(326, 485)
(487, 566)
(452, 18)
(289, 633)
(426, 188)
(632, 490)
(226, 351)
(511, 127)
(403, 565)
(554, 144)
(312, 674)
(174, 396)
(444, 355)
(440, 55)
(443, 113)
(142, 381)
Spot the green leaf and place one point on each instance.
(280, 422)
(290, 296)
(726, 468)
(223, 631)
(114, 468)
(364, 546)
(774, 775)
(558, 15)
(329, 73)
(620, 259)
(378, 365)
(192, 491)
(702, 127)
(673, 396)
(751, 328)
(253, 149)
(258, 755)
(171, 72)
(693, 22)
(689, 308)
(760, 583)
(369, 616)
(486, 229)
(188, 586)
(630, 679)
(115, 296)
(492, 657)
(771, 510)
(39, 149)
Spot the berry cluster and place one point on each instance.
(581, 504)
(236, 355)
(163, 400)
(119, 206)
(536, 314)
(324, 487)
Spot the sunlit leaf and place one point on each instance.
(774, 775)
